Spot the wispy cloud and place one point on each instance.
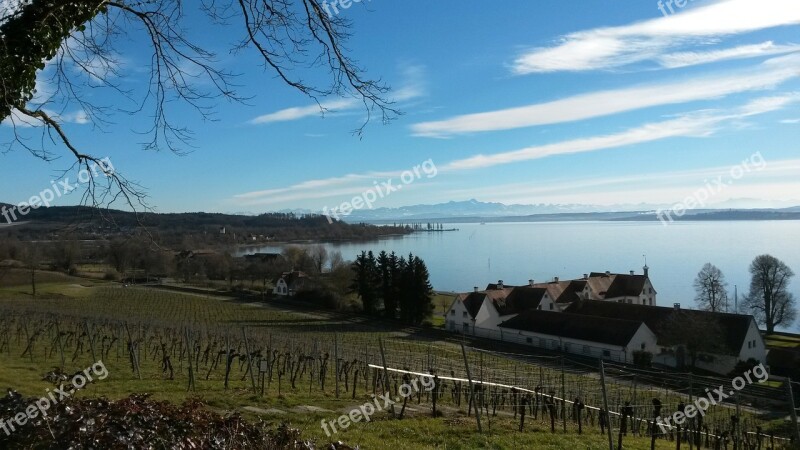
(350, 184)
(301, 112)
(613, 47)
(698, 124)
(767, 75)
(790, 121)
(412, 87)
(685, 59)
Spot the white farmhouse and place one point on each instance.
(610, 339)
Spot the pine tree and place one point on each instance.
(366, 276)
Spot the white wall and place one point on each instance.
(725, 364)
(457, 316)
(585, 348)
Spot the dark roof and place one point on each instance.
(626, 286)
(520, 299)
(264, 257)
(575, 326)
(291, 278)
(734, 327)
(496, 287)
(473, 302)
(570, 293)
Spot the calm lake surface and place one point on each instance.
(516, 252)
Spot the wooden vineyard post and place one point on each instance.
(249, 360)
(471, 388)
(605, 405)
(385, 373)
(795, 428)
(336, 358)
(132, 352)
(91, 340)
(563, 397)
(58, 342)
(191, 386)
(227, 360)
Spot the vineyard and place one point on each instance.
(287, 366)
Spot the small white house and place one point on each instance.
(461, 315)
(289, 283)
(480, 312)
(498, 309)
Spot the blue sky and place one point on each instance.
(601, 102)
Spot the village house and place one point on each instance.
(480, 312)
(610, 339)
(610, 316)
(289, 283)
(622, 288)
(716, 341)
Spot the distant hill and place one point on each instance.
(174, 226)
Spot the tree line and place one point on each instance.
(392, 286)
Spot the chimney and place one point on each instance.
(608, 274)
(677, 306)
(475, 289)
(555, 279)
(586, 276)
(499, 284)
(633, 273)
(530, 283)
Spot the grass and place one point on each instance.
(102, 301)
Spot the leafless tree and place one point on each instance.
(77, 41)
(769, 299)
(711, 289)
(319, 254)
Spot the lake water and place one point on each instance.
(516, 252)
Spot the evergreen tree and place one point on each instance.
(416, 292)
(366, 276)
(391, 299)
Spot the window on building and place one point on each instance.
(551, 306)
(466, 328)
(586, 350)
(529, 340)
(453, 312)
(567, 347)
(542, 343)
(606, 353)
(464, 314)
(643, 346)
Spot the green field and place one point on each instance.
(155, 317)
